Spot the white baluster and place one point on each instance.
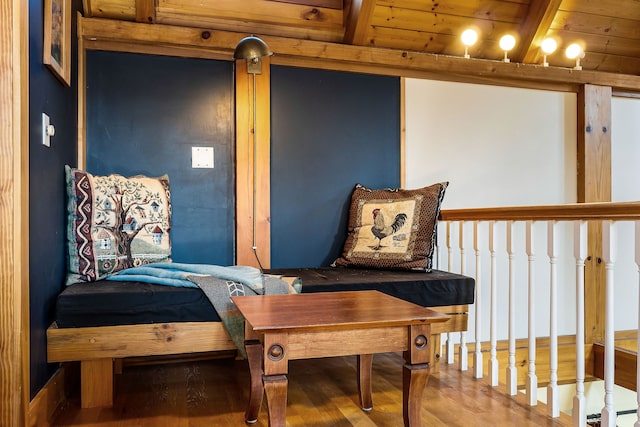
(512, 371)
(637, 258)
(493, 359)
(450, 344)
(532, 379)
(608, 255)
(477, 359)
(463, 352)
(580, 253)
(553, 396)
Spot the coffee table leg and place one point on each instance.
(275, 387)
(365, 362)
(414, 380)
(254, 357)
(415, 373)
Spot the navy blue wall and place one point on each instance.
(329, 131)
(144, 113)
(47, 220)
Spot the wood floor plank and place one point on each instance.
(322, 392)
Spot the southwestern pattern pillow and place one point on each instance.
(392, 228)
(115, 223)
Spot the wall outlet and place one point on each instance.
(202, 157)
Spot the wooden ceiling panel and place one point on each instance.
(258, 11)
(497, 10)
(623, 9)
(332, 4)
(404, 19)
(610, 29)
(579, 22)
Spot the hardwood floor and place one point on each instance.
(322, 392)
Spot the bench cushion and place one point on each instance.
(437, 288)
(109, 303)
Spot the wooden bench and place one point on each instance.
(98, 347)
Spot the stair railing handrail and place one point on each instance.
(578, 213)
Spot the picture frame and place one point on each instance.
(56, 51)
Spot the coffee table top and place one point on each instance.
(365, 309)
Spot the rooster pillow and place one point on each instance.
(392, 228)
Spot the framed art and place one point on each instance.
(56, 52)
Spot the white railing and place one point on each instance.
(487, 240)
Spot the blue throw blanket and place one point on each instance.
(219, 284)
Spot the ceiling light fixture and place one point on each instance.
(469, 38)
(548, 46)
(507, 42)
(575, 51)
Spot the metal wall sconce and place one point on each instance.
(253, 49)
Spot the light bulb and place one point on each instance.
(548, 46)
(469, 38)
(507, 42)
(575, 51)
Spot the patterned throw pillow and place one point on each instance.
(392, 228)
(115, 223)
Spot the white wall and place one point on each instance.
(498, 147)
(625, 186)
(504, 147)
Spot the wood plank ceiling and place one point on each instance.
(609, 30)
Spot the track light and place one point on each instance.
(507, 42)
(469, 38)
(548, 46)
(575, 51)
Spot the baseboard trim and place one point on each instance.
(44, 407)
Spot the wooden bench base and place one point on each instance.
(98, 347)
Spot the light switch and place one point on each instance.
(202, 157)
(47, 130)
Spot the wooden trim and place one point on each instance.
(594, 185)
(566, 359)
(73, 344)
(594, 144)
(357, 23)
(245, 165)
(52, 396)
(403, 133)
(534, 28)
(81, 150)
(309, 53)
(567, 212)
(626, 364)
(14, 213)
(145, 11)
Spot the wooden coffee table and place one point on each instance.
(280, 328)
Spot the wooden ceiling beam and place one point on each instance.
(534, 28)
(308, 53)
(358, 22)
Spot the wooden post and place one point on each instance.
(594, 185)
(14, 213)
(244, 165)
